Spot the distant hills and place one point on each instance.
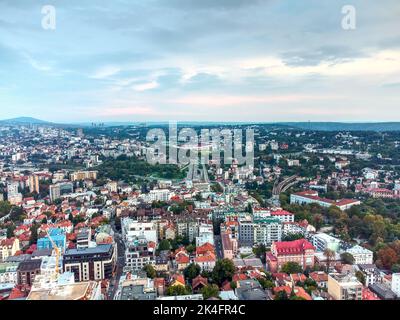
(342, 126)
(24, 121)
(316, 126)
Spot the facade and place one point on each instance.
(267, 231)
(299, 251)
(344, 287)
(138, 254)
(8, 273)
(57, 236)
(229, 246)
(59, 189)
(87, 264)
(133, 229)
(206, 234)
(33, 183)
(361, 255)
(307, 197)
(396, 284)
(8, 248)
(27, 271)
(323, 241)
(84, 175)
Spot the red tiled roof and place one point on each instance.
(199, 280)
(293, 247)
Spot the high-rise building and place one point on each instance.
(33, 182)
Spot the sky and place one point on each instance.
(200, 60)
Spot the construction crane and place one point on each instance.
(58, 253)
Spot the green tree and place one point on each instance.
(164, 245)
(192, 271)
(210, 291)
(281, 295)
(34, 234)
(224, 270)
(360, 276)
(178, 291)
(347, 258)
(266, 284)
(150, 271)
(292, 267)
(10, 231)
(329, 255)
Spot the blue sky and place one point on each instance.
(200, 60)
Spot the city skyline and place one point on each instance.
(231, 61)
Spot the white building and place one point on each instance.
(323, 241)
(159, 195)
(206, 234)
(396, 284)
(133, 229)
(267, 231)
(361, 255)
(308, 197)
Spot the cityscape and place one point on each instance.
(199, 155)
(84, 216)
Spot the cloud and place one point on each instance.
(105, 72)
(146, 86)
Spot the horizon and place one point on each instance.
(30, 118)
(240, 61)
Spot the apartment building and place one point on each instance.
(344, 287)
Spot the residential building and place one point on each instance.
(323, 241)
(87, 264)
(27, 271)
(8, 248)
(344, 287)
(361, 255)
(395, 286)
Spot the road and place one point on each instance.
(218, 247)
(120, 264)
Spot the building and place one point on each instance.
(8, 248)
(205, 234)
(27, 271)
(266, 231)
(33, 183)
(382, 291)
(59, 189)
(206, 257)
(250, 290)
(83, 238)
(396, 284)
(344, 287)
(229, 246)
(138, 254)
(361, 255)
(159, 195)
(90, 290)
(323, 241)
(58, 236)
(8, 273)
(307, 197)
(133, 229)
(87, 264)
(371, 274)
(246, 233)
(83, 175)
(300, 251)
